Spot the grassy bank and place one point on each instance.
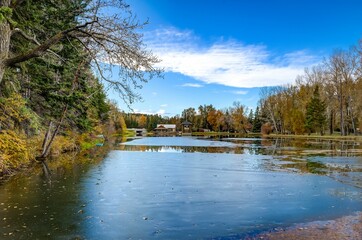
(316, 136)
(306, 136)
(18, 152)
(221, 134)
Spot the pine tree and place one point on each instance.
(315, 116)
(257, 121)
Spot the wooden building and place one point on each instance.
(165, 129)
(186, 127)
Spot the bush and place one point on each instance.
(13, 152)
(266, 128)
(63, 144)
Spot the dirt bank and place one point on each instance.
(348, 227)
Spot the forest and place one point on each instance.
(56, 61)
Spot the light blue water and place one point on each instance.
(170, 192)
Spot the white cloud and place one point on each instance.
(161, 112)
(164, 105)
(228, 63)
(240, 92)
(194, 85)
(151, 112)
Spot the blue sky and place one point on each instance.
(220, 51)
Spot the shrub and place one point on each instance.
(13, 151)
(266, 128)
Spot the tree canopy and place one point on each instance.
(326, 96)
(105, 30)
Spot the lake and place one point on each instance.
(185, 188)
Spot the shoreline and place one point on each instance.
(347, 227)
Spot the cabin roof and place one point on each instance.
(186, 123)
(168, 126)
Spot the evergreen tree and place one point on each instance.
(251, 116)
(257, 121)
(315, 115)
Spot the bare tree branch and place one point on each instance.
(111, 39)
(42, 48)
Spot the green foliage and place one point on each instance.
(316, 167)
(15, 113)
(315, 115)
(47, 80)
(5, 13)
(40, 90)
(257, 121)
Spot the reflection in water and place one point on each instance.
(184, 188)
(167, 195)
(293, 155)
(33, 206)
(318, 147)
(182, 149)
(269, 146)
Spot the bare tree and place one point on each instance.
(269, 101)
(341, 68)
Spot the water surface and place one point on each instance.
(184, 188)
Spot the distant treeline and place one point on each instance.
(207, 117)
(327, 98)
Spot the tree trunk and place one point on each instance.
(331, 120)
(351, 115)
(272, 117)
(5, 34)
(341, 115)
(48, 142)
(46, 138)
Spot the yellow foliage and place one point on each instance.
(63, 144)
(13, 151)
(142, 121)
(13, 109)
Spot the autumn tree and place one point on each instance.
(216, 119)
(204, 111)
(142, 121)
(227, 124)
(239, 120)
(117, 119)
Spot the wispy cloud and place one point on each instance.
(151, 112)
(228, 63)
(161, 112)
(240, 92)
(164, 105)
(194, 85)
